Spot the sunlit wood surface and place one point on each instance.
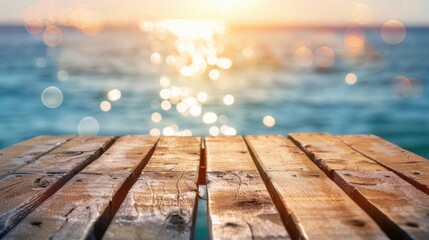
(304, 186)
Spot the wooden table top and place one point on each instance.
(304, 186)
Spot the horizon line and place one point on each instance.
(249, 26)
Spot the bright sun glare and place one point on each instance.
(187, 29)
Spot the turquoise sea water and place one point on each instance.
(268, 82)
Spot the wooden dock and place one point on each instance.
(304, 186)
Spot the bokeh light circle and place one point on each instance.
(62, 75)
(52, 36)
(269, 121)
(228, 100)
(351, 79)
(210, 118)
(361, 13)
(114, 95)
(52, 97)
(404, 87)
(105, 106)
(354, 41)
(155, 132)
(324, 57)
(303, 56)
(214, 131)
(156, 117)
(88, 126)
(393, 32)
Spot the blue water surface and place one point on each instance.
(301, 99)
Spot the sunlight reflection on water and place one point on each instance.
(332, 80)
(187, 53)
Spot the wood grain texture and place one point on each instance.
(125, 157)
(399, 208)
(239, 205)
(391, 200)
(21, 193)
(28, 151)
(411, 167)
(228, 154)
(69, 157)
(330, 153)
(84, 207)
(310, 204)
(162, 203)
(175, 154)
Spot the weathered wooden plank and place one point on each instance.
(399, 208)
(311, 204)
(162, 203)
(239, 204)
(85, 205)
(159, 206)
(228, 154)
(71, 156)
(411, 167)
(28, 151)
(175, 154)
(391, 201)
(21, 193)
(331, 154)
(124, 157)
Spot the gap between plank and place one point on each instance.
(286, 216)
(203, 163)
(37, 157)
(416, 184)
(200, 215)
(103, 222)
(389, 227)
(56, 186)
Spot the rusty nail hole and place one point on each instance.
(115, 178)
(412, 224)
(243, 152)
(36, 223)
(78, 180)
(416, 173)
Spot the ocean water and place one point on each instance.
(261, 71)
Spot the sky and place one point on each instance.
(276, 12)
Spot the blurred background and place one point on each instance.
(222, 67)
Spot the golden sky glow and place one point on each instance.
(245, 11)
